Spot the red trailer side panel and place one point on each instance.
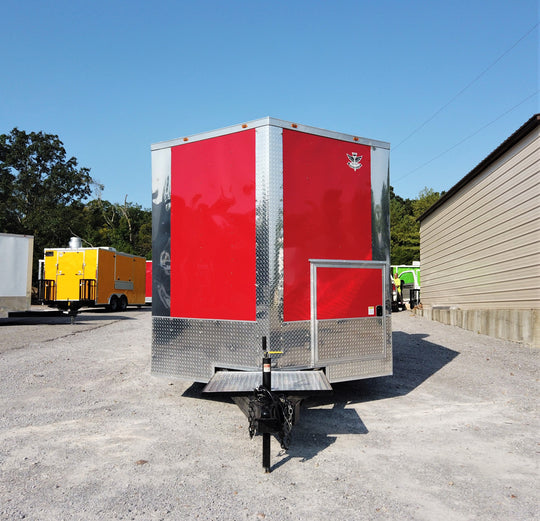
(326, 211)
(213, 253)
(148, 293)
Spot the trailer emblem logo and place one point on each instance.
(354, 161)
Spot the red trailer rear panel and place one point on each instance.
(213, 211)
(326, 211)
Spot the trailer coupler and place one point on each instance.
(271, 413)
(72, 311)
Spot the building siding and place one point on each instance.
(480, 249)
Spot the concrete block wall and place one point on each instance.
(516, 325)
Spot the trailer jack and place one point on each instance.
(269, 412)
(72, 311)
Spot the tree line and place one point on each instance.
(405, 227)
(46, 194)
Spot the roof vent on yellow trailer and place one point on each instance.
(75, 243)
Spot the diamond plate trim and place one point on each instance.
(356, 370)
(235, 382)
(191, 349)
(351, 339)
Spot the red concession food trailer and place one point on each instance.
(275, 230)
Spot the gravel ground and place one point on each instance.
(87, 433)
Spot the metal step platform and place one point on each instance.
(242, 383)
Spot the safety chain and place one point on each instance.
(284, 436)
(251, 417)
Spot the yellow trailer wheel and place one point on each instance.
(114, 304)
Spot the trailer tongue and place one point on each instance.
(274, 398)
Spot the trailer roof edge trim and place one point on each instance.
(2, 234)
(105, 248)
(268, 121)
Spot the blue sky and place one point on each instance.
(111, 78)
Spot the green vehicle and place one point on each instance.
(410, 278)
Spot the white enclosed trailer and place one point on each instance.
(15, 273)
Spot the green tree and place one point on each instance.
(404, 224)
(8, 218)
(42, 191)
(426, 198)
(126, 227)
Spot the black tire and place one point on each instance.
(114, 304)
(123, 303)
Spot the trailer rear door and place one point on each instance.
(69, 272)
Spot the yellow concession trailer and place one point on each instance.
(77, 277)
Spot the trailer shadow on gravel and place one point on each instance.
(318, 429)
(415, 361)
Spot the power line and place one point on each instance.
(466, 87)
(468, 137)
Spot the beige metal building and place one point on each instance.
(480, 245)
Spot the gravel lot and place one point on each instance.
(87, 433)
